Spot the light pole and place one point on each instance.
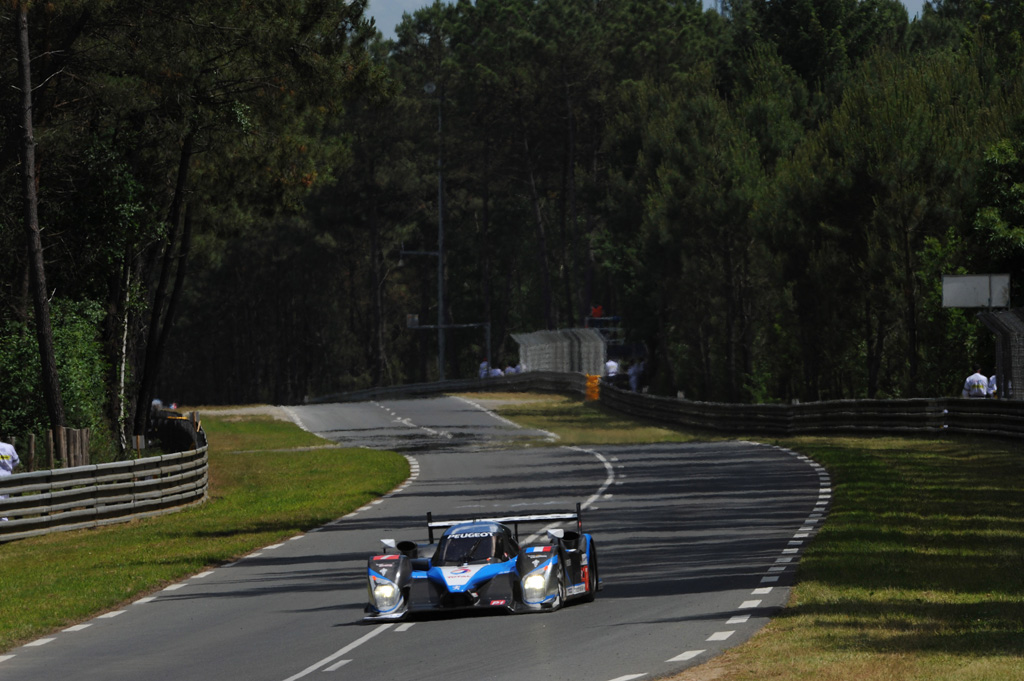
(429, 88)
(412, 321)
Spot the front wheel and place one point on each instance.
(560, 597)
(592, 576)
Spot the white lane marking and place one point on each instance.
(405, 627)
(791, 550)
(769, 580)
(296, 537)
(762, 591)
(4, 658)
(548, 435)
(738, 619)
(720, 635)
(209, 572)
(145, 599)
(688, 655)
(78, 627)
(255, 555)
(777, 568)
(337, 665)
(745, 605)
(40, 642)
(344, 651)
(784, 559)
(589, 503)
(628, 677)
(273, 546)
(108, 615)
(175, 587)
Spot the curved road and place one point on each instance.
(697, 544)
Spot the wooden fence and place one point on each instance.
(80, 497)
(70, 447)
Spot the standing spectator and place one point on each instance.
(992, 387)
(611, 368)
(635, 373)
(485, 369)
(8, 462)
(976, 384)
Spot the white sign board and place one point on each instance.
(975, 290)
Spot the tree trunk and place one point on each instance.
(160, 322)
(37, 276)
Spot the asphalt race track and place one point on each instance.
(697, 546)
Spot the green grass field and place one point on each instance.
(918, 573)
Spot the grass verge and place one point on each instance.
(918, 573)
(265, 485)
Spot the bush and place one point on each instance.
(80, 369)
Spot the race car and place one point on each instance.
(479, 563)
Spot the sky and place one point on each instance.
(388, 13)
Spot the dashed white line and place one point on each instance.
(77, 627)
(39, 642)
(761, 591)
(745, 605)
(108, 615)
(738, 619)
(720, 635)
(688, 655)
(344, 651)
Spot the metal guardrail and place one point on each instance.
(76, 498)
(923, 416)
(920, 416)
(548, 381)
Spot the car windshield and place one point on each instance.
(471, 547)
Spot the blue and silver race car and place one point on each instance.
(480, 563)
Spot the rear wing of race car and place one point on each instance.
(513, 520)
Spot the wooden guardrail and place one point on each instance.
(75, 498)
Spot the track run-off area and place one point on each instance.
(697, 542)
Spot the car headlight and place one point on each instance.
(385, 595)
(534, 585)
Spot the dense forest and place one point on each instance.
(243, 201)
